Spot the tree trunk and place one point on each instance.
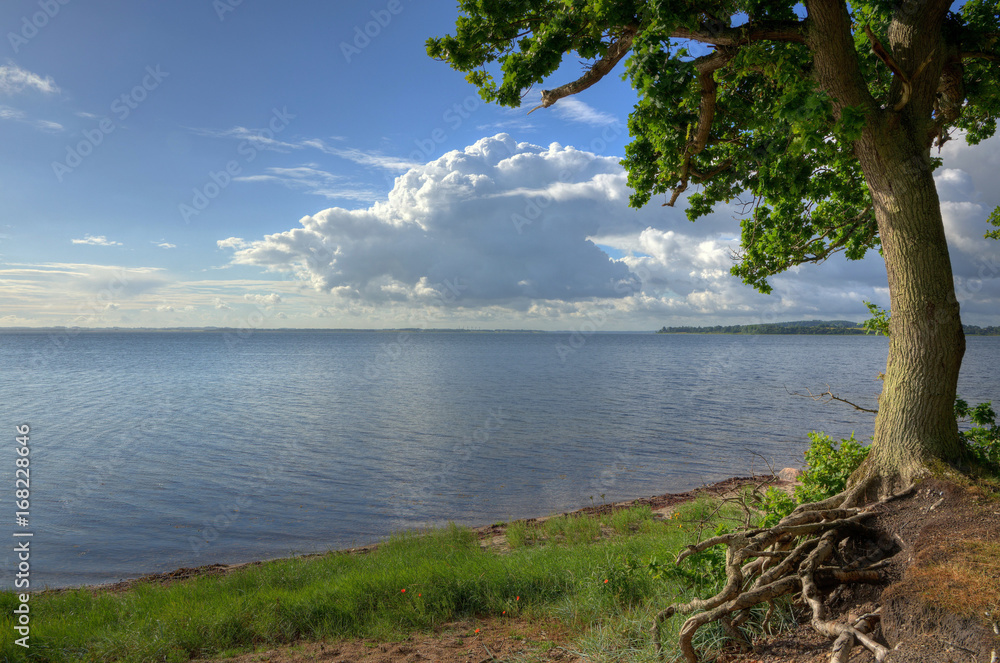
(916, 423)
(915, 426)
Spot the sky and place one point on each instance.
(245, 163)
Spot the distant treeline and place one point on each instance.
(840, 327)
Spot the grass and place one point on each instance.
(966, 582)
(599, 586)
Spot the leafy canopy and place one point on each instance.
(729, 100)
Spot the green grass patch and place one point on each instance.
(607, 588)
(572, 529)
(627, 521)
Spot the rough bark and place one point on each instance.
(915, 424)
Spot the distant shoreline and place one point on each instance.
(811, 327)
(805, 327)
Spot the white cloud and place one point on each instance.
(449, 230)
(8, 113)
(575, 110)
(264, 140)
(15, 115)
(261, 139)
(371, 159)
(232, 243)
(166, 245)
(953, 184)
(508, 234)
(14, 79)
(311, 179)
(48, 126)
(267, 301)
(99, 240)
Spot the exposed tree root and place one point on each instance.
(808, 549)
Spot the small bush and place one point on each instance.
(984, 436)
(828, 466)
(701, 572)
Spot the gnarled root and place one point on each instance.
(794, 556)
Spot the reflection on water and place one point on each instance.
(158, 450)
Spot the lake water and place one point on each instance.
(156, 450)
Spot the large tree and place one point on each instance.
(821, 118)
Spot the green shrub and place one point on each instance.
(828, 466)
(701, 572)
(984, 436)
(776, 505)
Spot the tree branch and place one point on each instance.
(597, 71)
(982, 55)
(718, 35)
(706, 66)
(793, 31)
(830, 396)
(886, 57)
(836, 65)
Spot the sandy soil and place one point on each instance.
(479, 641)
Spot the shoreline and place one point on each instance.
(660, 504)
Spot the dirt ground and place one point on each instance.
(940, 601)
(480, 641)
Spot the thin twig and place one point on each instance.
(829, 396)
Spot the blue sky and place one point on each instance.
(272, 165)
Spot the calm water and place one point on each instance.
(151, 451)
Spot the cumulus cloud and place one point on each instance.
(515, 233)
(500, 222)
(266, 301)
(232, 243)
(166, 245)
(99, 240)
(968, 190)
(14, 79)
